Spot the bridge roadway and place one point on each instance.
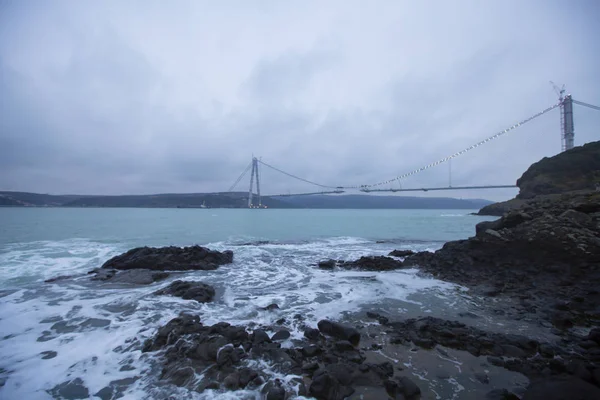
(440, 188)
(400, 190)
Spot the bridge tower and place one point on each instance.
(253, 174)
(568, 129)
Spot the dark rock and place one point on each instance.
(344, 345)
(311, 350)
(575, 169)
(562, 320)
(281, 335)
(331, 383)
(270, 307)
(58, 278)
(310, 366)
(402, 386)
(587, 344)
(328, 264)
(73, 389)
(401, 253)
(170, 259)
(312, 334)
(482, 377)
(46, 355)
(500, 394)
(274, 390)
(468, 314)
(227, 356)
(131, 277)
(259, 336)
(198, 291)
(596, 376)
(497, 361)
(339, 331)
(232, 381)
(594, 335)
(373, 263)
(562, 389)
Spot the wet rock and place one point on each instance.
(372, 263)
(130, 277)
(281, 335)
(198, 291)
(401, 253)
(339, 331)
(468, 314)
(270, 307)
(70, 390)
(232, 381)
(259, 336)
(46, 355)
(170, 259)
(331, 384)
(380, 318)
(312, 334)
(274, 390)
(562, 389)
(344, 345)
(328, 264)
(402, 386)
(594, 335)
(500, 394)
(482, 377)
(311, 350)
(58, 278)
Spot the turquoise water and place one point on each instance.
(185, 226)
(95, 329)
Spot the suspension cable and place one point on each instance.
(459, 153)
(581, 103)
(304, 180)
(240, 177)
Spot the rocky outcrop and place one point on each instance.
(371, 263)
(198, 291)
(576, 169)
(170, 259)
(224, 358)
(548, 250)
(401, 253)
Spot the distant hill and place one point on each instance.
(235, 200)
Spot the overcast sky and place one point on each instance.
(134, 97)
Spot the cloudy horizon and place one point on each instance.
(155, 97)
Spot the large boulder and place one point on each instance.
(170, 259)
(372, 263)
(339, 331)
(198, 291)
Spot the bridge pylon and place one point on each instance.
(251, 195)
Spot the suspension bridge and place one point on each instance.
(565, 104)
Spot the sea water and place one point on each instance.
(76, 329)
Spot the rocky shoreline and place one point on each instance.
(538, 264)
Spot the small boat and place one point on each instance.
(203, 205)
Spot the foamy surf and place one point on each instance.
(89, 332)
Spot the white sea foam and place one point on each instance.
(96, 330)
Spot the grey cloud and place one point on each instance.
(134, 98)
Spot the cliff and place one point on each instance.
(576, 170)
